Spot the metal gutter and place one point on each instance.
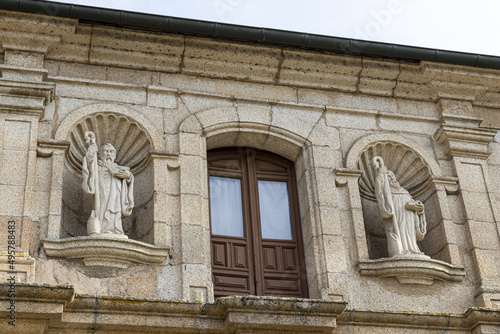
(275, 37)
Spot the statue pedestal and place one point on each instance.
(412, 269)
(107, 250)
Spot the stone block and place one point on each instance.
(14, 167)
(376, 86)
(218, 59)
(304, 190)
(12, 199)
(254, 113)
(472, 178)
(317, 97)
(319, 71)
(126, 75)
(285, 148)
(483, 235)
(43, 168)
(415, 125)
(330, 221)
(192, 144)
(191, 173)
(169, 282)
(83, 71)
(162, 234)
(335, 252)
(326, 157)
(249, 138)
(190, 124)
(23, 58)
(119, 48)
(252, 90)
(224, 139)
(17, 134)
(173, 204)
(477, 206)
(325, 181)
(195, 244)
(55, 202)
(161, 98)
(487, 263)
(298, 121)
(216, 116)
(323, 135)
(196, 103)
(191, 209)
(346, 120)
(122, 93)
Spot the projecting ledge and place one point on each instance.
(106, 251)
(412, 269)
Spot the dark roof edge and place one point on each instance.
(249, 34)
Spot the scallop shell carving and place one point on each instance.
(130, 140)
(411, 171)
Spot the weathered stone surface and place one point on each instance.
(184, 95)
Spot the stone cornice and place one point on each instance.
(467, 321)
(43, 306)
(24, 97)
(464, 141)
(49, 306)
(168, 53)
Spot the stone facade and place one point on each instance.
(178, 96)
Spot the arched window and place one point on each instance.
(256, 236)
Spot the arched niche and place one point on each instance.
(134, 137)
(414, 169)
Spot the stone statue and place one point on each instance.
(112, 187)
(404, 217)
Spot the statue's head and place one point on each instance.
(392, 178)
(89, 137)
(108, 153)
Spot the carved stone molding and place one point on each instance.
(23, 267)
(465, 142)
(412, 173)
(128, 137)
(342, 174)
(416, 269)
(25, 97)
(46, 148)
(106, 251)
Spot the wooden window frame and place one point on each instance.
(237, 269)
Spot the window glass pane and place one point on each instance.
(274, 210)
(225, 206)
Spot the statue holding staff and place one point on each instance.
(112, 187)
(404, 217)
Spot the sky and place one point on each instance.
(457, 25)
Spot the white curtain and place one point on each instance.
(225, 206)
(274, 210)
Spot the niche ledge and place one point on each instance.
(412, 270)
(106, 251)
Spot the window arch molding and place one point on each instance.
(247, 127)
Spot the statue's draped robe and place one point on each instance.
(113, 196)
(403, 227)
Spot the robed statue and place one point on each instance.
(404, 217)
(112, 187)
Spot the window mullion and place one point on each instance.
(255, 219)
